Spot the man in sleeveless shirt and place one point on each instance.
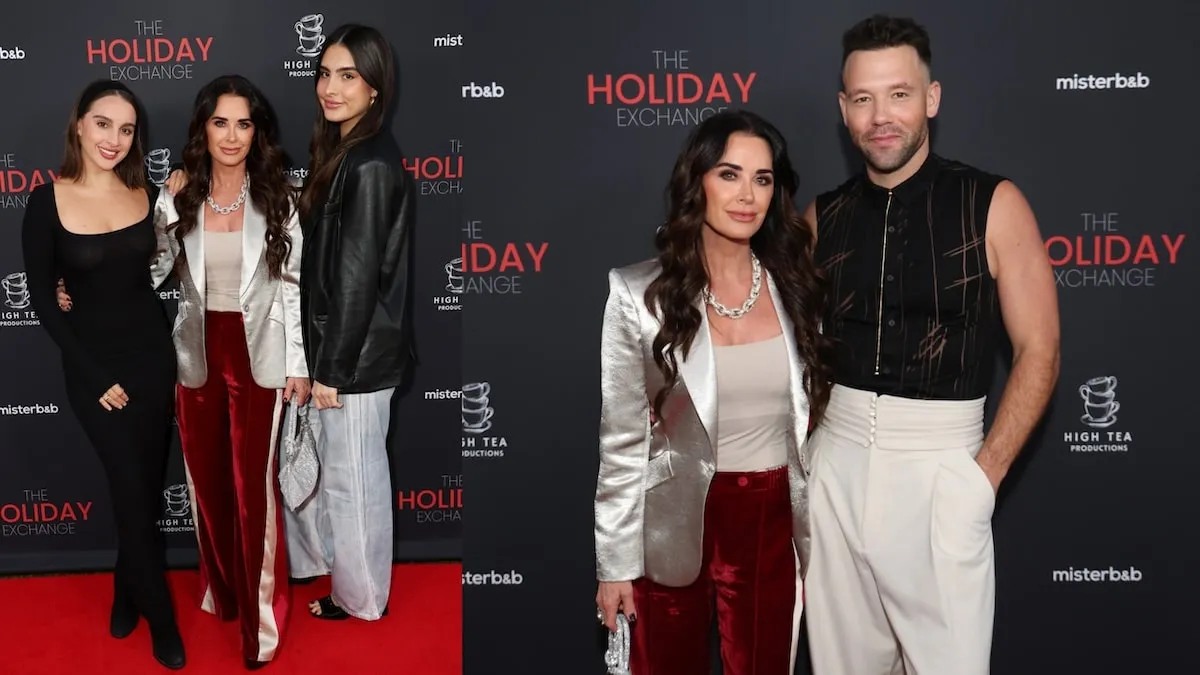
(928, 260)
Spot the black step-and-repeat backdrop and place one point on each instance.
(541, 136)
(54, 512)
(580, 109)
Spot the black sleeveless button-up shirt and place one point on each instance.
(913, 308)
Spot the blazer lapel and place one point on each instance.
(699, 374)
(254, 238)
(795, 365)
(193, 245)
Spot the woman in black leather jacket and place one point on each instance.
(356, 296)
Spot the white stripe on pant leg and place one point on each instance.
(309, 540)
(797, 612)
(268, 627)
(359, 502)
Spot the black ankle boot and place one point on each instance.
(123, 619)
(168, 648)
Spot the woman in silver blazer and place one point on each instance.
(232, 237)
(713, 368)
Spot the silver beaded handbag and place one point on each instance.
(617, 656)
(299, 469)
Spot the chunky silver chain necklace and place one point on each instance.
(226, 210)
(755, 288)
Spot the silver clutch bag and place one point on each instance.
(617, 656)
(299, 469)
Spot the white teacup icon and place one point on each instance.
(16, 291)
(158, 165)
(1099, 401)
(311, 38)
(177, 500)
(454, 277)
(476, 413)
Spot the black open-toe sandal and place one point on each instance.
(330, 610)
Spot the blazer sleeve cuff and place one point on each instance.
(614, 570)
(297, 366)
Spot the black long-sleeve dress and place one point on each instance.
(117, 332)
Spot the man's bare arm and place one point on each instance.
(1029, 307)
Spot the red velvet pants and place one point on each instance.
(229, 430)
(748, 572)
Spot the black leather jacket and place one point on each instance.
(356, 290)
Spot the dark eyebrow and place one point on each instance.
(898, 85)
(244, 119)
(106, 119)
(735, 167)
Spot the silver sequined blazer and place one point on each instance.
(270, 307)
(653, 479)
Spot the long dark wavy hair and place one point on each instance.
(130, 170)
(373, 60)
(784, 246)
(270, 190)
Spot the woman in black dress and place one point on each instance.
(93, 229)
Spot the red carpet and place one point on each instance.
(59, 626)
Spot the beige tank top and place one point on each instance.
(753, 410)
(223, 271)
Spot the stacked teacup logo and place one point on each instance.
(16, 291)
(477, 411)
(454, 276)
(1099, 402)
(311, 37)
(177, 500)
(158, 165)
